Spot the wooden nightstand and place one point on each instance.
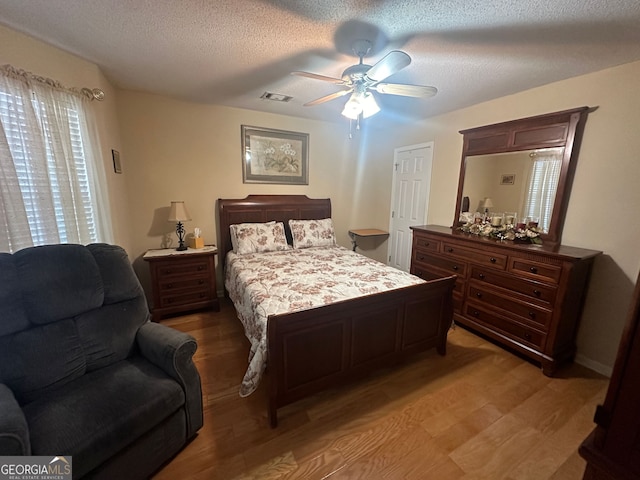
(182, 281)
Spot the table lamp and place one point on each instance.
(178, 213)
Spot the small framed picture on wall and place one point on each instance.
(117, 166)
(508, 179)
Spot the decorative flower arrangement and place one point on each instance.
(503, 232)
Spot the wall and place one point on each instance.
(175, 150)
(37, 57)
(605, 195)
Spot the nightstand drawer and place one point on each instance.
(187, 268)
(186, 298)
(167, 284)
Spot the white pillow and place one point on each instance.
(312, 233)
(258, 237)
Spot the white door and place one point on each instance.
(409, 198)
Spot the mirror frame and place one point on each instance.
(559, 129)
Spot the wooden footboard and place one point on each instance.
(314, 349)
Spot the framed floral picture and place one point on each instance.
(274, 156)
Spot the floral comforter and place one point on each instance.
(263, 284)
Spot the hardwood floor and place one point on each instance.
(477, 413)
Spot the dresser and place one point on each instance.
(182, 281)
(525, 297)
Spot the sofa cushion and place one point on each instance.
(35, 361)
(102, 412)
(108, 334)
(58, 281)
(118, 278)
(13, 318)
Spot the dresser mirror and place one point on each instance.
(522, 168)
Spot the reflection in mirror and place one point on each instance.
(523, 182)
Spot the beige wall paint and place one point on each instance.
(175, 150)
(605, 197)
(37, 57)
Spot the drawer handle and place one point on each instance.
(169, 285)
(537, 293)
(533, 270)
(426, 244)
(168, 271)
(478, 294)
(450, 250)
(527, 335)
(200, 282)
(202, 295)
(532, 314)
(481, 276)
(455, 267)
(492, 260)
(200, 267)
(420, 257)
(476, 313)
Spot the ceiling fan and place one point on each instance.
(361, 80)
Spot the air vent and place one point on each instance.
(276, 97)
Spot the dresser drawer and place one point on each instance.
(425, 243)
(530, 289)
(489, 259)
(447, 265)
(536, 316)
(433, 274)
(537, 271)
(188, 268)
(514, 330)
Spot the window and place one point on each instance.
(50, 176)
(543, 184)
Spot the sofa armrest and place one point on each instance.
(172, 351)
(14, 431)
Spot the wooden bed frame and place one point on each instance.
(311, 350)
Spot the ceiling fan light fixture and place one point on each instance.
(353, 108)
(369, 105)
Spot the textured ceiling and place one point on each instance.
(230, 52)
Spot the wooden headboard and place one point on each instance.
(264, 208)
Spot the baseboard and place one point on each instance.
(593, 365)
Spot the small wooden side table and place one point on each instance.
(365, 232)
(182, 281)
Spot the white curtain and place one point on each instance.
(51, 172)
(545, 173)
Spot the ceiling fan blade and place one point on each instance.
(329, 97)
(391, 63)
(420, 91)
(315, 76)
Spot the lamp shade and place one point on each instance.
(178, 212)
(488, 203)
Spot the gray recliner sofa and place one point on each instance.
(83, 372)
